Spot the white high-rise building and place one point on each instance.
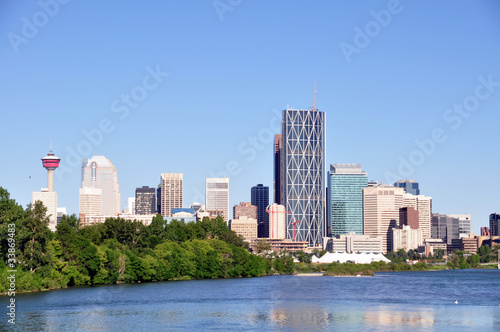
(277, 221)
(98, 172)
(406, 238)
(49, 199)
(131, 205)
(423, 204)
(217, 195)
(381, 206)
(170, 193)
(463, 224)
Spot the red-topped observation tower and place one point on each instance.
(50, 162)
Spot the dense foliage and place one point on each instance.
(121, 251)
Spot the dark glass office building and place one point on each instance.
(145, 200)
(260, 199)
(410, 186)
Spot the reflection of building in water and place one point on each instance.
(301, 317)
(386, 316)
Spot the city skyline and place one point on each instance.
(408, 76)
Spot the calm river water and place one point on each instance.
(392, 301)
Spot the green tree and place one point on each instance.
(34, 238)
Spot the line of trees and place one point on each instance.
(121, 251)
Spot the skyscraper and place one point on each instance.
(278, 185)
(410, 186)
(381, 206)
(47, 195)
(98, 172)
(423, 204)
(494, 224)
(464, 223)
(171, 192)
(245, 209)
(260, 199)
(303, 177)
(445, 227)
(217, 195)
(145, 200)
(345, 199)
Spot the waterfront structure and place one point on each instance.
(217, 195)
(260, 198)
(303, 178)
(423, 204)
(352, 243)
(410, 186)
(277, 221)
(245, 209)
(246, 227)
(464, 224)
(405, 237)
(494, 224)
(171, 192)
(430, 245)
(47, 195)
(345, 199)
(381, 206)
(278, 169)
(145, 200)
(467, 244)
(99, 173)
(445, 227)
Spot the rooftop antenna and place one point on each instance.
(314, 100)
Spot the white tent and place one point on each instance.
(358, 258)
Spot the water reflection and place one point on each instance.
(388, 317)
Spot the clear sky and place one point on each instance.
(411, 89)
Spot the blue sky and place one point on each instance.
(223, 71)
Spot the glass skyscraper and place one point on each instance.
(345, 198)
(303, 178)
(260, 199)
(410, 186)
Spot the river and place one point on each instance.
(460, 300)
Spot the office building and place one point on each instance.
(277, 221)
(381, 206)
(464, 224)
(260, 198)
(345, 199)
(494, 224)
(278, 170)
(131, 205)
(353, 243)
(423, 204)
(303, 178)
(246, 227)
(47, 195)
(98, 172)
(406, 238)
(445, 227)
(408, 216)
(485, 231)
(410, 186)
(170, 192)
(245, 209)
(145, 200)
(61, 211)
(217, 195)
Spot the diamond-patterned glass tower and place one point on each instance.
(303, 134)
